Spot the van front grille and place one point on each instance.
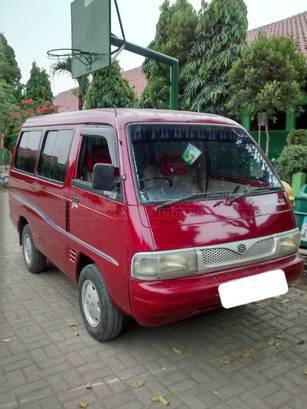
(238, 252)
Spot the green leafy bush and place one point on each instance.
(109, 89)
(297, 137)
(293, 159)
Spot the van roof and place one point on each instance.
(124, 116)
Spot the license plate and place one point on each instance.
(253, 288)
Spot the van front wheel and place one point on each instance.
(100, 316)
(34, 259)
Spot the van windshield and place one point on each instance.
(173, 161)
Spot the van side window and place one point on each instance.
(54, 156)
(94, 149)
(27, 150)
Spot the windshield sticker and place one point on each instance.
(190, 154)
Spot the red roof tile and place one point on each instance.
(295, 26)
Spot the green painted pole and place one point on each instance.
(246, 121)
(290, 119)
(163, 58)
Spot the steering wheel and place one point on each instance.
(169, 180)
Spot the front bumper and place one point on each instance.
(160, 302)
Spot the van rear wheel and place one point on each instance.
(34, 259)
(101, 317)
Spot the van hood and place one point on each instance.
(205, 222)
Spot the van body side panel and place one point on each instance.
(51, 201)
(101, 224)
(98, 228)
(24, 190)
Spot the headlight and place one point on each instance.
(164, 264)
(289, 191)
(288, 243)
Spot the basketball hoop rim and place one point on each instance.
(56, 52)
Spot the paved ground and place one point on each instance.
(252, 357)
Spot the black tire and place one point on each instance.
(110, 322)
(37, 262)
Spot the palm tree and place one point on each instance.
(64, 66)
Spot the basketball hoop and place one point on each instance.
(59, 54)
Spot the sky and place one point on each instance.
(34, 26)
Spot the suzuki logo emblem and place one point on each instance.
(241, 248)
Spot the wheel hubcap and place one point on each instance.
(27, 245)
(90, 303)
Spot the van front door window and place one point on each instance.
(95, 150)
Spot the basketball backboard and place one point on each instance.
(90, 34)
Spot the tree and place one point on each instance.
(267, 79)
(83, 82)
(175, 36)
(7, 108)
(108, 89)
(221, 37)
(293, 159)
(9, 70)
(38, 87)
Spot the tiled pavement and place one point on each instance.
(251, 357)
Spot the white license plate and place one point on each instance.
(253, 288)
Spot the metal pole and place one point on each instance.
(146, 52)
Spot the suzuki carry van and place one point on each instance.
(157, 215)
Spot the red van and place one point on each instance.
(157, 215)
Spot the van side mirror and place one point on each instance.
(103, 176)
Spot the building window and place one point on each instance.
(54, 157)
(27, 149)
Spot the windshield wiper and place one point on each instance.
(231, 196)
(228, 195)
(258, 189)
(191, 196)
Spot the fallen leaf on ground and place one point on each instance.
(305, 372)
(246, 354)
(215, 392)
(280, 337)
(160, 399)
(301, 342)
(89, 385)
(137, 384)
(273, 343)
(284, 301)
(177, 350)
(6, 340)
(84, 404)
(225, 360)
(77, 334)
(73, 323)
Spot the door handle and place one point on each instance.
(75, 201)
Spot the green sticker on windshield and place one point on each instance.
(190, 154)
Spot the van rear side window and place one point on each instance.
(54, 156)
(27, 150)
